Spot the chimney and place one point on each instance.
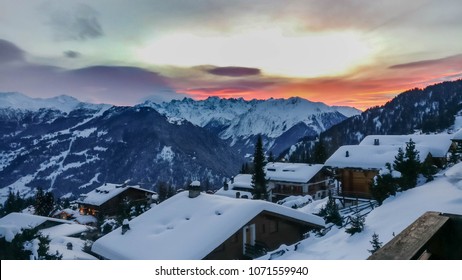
(225, 186)
(194, 189)
(376, 142)
(347, 154)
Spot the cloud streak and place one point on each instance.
(233, 71)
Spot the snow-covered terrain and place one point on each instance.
(239, 120)
(62, 103)
(444, 194)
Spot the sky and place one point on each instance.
(357, 53)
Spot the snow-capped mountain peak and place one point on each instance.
(239, 120)
(63, 103)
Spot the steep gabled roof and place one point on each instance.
(189, 228)
(291, 172)
(104, 193)
(368, 156)
(437, 144)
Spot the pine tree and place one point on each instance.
(454, 155)
(330, 212)
(162, 190)
(44, 202)
(408, 163)
(16, 249)
(271, 157)
(357, 224)
(258, 176)
(428, 169)
(376, 244)
(320, 154)
(384, 185)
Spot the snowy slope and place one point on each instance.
(442, 195)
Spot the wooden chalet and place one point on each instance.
(107, 199)
(288, 179)
(195, 225)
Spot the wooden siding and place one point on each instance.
(270, 229)
(356, 182)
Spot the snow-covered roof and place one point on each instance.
(242, 181)
(368, 156)
(201, 224)
(437, 144)
(14, 223)
(105, 192)
(457, 135)
(239, 184)
(291, 172)
(64, 230)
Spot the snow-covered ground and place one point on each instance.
(444, 194)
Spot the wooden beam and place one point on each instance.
(411, 242)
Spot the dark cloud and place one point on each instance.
(234, 71)
(78, 23)
(71, 54)
(455, 59)
(118, 85)
(9, 52)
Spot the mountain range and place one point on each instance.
(428, 110)
(71, 147)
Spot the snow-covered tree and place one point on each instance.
(357, 224)
(330, 212)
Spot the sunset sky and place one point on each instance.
(342, 52)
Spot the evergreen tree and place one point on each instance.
(408, 163)
(357, 224)
(44, 246)
(383, 186)
(320, 154)
(258, 176)
(16, 249)
(44, 202)
(162, 190)
(428, 169)
(376, 244)
(13, 203)
(454, 155)
(271, 157)
(331, 213)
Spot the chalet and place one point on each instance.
(287, 179)
(357, 165)
(433, 236)
(62, 233)
(194, 225)
(106, 199)
(239, 186)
